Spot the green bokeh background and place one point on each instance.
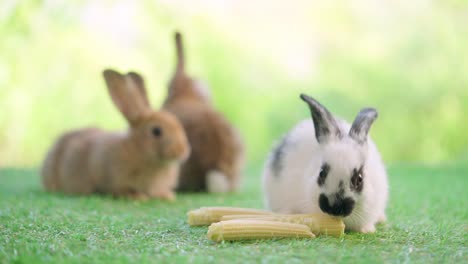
(409, 59)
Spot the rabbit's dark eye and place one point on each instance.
(156, 131)
(323, 174)
(357, 180)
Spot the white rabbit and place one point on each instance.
(329, 166)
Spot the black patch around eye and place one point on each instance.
(156, 131)
(357, 180)
(323, 174)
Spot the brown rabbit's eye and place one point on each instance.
(156, 131)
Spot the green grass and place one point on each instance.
(428, 222)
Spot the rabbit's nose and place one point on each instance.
(341, 206)
(179, 150)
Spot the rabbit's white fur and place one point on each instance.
(293, 188)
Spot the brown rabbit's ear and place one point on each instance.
(127, 95)
(140, 84)
(180, 52)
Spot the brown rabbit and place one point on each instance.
(216, 160)
(140, 163)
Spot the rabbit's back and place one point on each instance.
(67, 167)
(286, 169)
(215, 145)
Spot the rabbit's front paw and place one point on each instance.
(367, 229)
(382, 219)
(168, 196)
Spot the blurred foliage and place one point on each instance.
(409, 59)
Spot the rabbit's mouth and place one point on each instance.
(340, 207)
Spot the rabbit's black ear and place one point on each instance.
(362, 124)
(325, 124)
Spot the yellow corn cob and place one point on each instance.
(256, 229)
(208, 215)
(243, 216)
(319, 224)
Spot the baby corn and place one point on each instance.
(242, 216)
(256, 229)
(208, 215)
(319, 224)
